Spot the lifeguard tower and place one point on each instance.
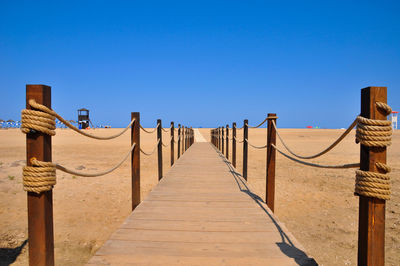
(394, 119)
(83, 118)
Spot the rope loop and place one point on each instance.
(372, 184)
(384, 108)
(374, 133)
(39, 121)
(39, 177)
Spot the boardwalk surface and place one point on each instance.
(201, 213)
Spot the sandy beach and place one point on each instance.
(316, 205)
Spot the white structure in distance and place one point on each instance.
(394, 119)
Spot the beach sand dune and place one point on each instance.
(317, 205)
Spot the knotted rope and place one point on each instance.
(371, 184)
(39, 121)
(44, 121)
(375, 134)
(41, 176)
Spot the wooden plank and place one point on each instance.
(193, 225)
(187, 236)
(201, 214)
(140, 259)
(170, 248)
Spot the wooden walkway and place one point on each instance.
(201, 213)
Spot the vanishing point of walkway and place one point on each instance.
(201, 213)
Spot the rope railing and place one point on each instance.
(152, 152)
(166, 129)
(39, 175)
(259, 125)
(239, 141)
(166, 145)
(336, 142)
(372, 182)
(44, 121)
(340, 166)
(256, 147)
(149, 131)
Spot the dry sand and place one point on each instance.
(317, 205)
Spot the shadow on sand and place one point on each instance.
(286, 245)
(9, 255)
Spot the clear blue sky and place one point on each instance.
(201, 63)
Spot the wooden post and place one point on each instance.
(186, 137)
(271, 156)
(135, 160)
(227, 142)
(234, 144)
(179, 140)
(183, 139)
(222, 139)
(371, 221)
(215, 138)
(190, 137)
(159, 149)
(219, 139)
(245, 147)
(172, 144)
(40, 206)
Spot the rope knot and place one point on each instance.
(372, 184)
(39, 177)
(374, 133)
(378, 134)
(41, 120)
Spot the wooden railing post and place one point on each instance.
(219, 139)
(135, 160)
(179, 140)
(234, 144)
(227, 142)
(172, 143)
(159, 149)
(188, 137)
(214, 138)
(371, 221)
(271, 156)
(183, 139)
(40, 206)
(245, 147)
(222, 140)
(192, 136)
